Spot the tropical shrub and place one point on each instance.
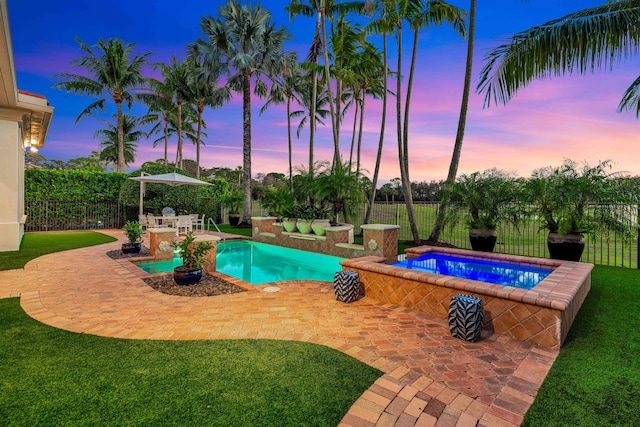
(133, 231)
(484, 199)
(340, 191)
(72, 185)
(577, 199)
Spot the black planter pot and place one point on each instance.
(483, 240)
(186, 276)
(131, 248)
(234, 220)
(567, 247)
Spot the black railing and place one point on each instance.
(51, 215)
(528, 238)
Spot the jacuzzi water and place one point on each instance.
(259, 263)
(499, 273)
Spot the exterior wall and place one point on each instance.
(12, 217)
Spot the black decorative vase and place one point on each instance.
(131, 248)
(483, 240)
(234, 220)
(567, 247)
(186, 276)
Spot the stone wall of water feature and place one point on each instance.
(378, 239)
(540, 316)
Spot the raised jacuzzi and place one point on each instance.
(538, 316)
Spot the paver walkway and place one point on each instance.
(431, 379)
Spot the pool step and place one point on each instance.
(302, 237)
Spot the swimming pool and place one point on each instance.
(259, 263)
(490, 271)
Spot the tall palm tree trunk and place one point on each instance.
(179, 149)
(314, 98)
(312, 119)
(122, 166)
(334, 119)
(246, 147)
(353, 135)
(198, 133)
(383, 121)
(403, 142)
(464, 107)
(364, 95)
(290, 145)
(166, 141)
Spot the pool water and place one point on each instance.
(259, 263)
(499, 273)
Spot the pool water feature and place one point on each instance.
(540, 316)
(490, 271)
(259, 263)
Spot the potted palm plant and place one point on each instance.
(133, 231)
(289, 218)
(305, 215)
(234, 203)
(572, 200)
(193, 256)
(485, 199)
(320, 221)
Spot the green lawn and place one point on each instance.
(596, 379)
(226, 228)
(38, 244)
(54, 377)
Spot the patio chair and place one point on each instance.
(151, 221)
(184, 224)
(198, 223)
(142, 219)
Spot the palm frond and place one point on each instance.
(587, 40)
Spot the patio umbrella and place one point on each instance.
(173, 179)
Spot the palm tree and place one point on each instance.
(131, 132)
(163, 110)
(298, 8)
(383, 25)
(591, 39)
(176, 79)
(419, 15)
(112, 72)
(306, 95)
(170, 128)
(321, 9)
(245, 40)
(344, 42)
(285, 88)
(462, 121)
(205, 93)
(365, 77)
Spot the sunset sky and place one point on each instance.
(573, 116)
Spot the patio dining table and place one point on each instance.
(167, 220)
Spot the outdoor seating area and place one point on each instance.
(183, 224)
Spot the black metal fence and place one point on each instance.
(528, 239)
(51, 215)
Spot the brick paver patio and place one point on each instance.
(430, 378)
